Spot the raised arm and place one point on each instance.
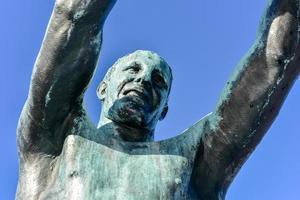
(63, 69)
(251, 99)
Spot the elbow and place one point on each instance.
(282, 38)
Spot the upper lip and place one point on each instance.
(139, 90)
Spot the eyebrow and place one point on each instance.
(135, 63)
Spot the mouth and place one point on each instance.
(137, 92)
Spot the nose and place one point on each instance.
(144, 78)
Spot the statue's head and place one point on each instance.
(135, 91)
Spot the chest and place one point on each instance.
(88, 170)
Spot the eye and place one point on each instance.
(159, 80)
(134, 69)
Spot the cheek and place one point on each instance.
(111, 92)
(164, 97)
(161, 98)
(116, 86)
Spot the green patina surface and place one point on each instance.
(64, 156)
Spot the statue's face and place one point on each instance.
(136, 93)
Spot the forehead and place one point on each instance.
(149, 61)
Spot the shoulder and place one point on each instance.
(189, 141)
(34, 137)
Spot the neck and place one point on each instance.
(125, 132)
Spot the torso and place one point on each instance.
(86, 169)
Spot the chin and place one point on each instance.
(129, 113)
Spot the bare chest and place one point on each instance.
(88, 170)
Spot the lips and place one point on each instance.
(137, 91)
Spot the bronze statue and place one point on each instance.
(64, 156)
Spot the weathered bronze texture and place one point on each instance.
(64, 156)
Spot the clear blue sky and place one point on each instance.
(202, 40)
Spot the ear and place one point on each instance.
(101, 90)
(164, 112)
